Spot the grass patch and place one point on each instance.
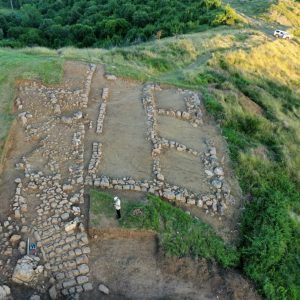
(180, 234)
(101, 203)
(251, 7)
(15, 65)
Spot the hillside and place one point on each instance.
(249, 82)
(105, 23)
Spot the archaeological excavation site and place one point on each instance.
(95, 132)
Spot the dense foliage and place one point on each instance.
(87, 23)
(270, 235)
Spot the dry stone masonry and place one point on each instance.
(193, 114)
(95, 159)
(51, 177)
(87, 85)
(214, 202)
(49, 193)
(101, 117)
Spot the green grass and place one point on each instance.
(251, 7)
(15, 66)
(100, 203)
(180, 234)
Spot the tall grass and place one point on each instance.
(285, 12)
(270, 237)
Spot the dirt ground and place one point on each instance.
(182, 169)
(74, 74)
(170, 99)
(133, 267)
(127, 152)
(183, 132)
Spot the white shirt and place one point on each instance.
(117, 204)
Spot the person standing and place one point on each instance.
(117, 205)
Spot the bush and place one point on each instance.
(213, 106)
(270, 239)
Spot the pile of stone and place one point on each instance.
(193, 104)
(19, 202)
(69, 120)
(19, 105)
(23, 117)
(95, 159)
(76, 140)
(52, 99)
(215, 174)
(182, 115)
(157, 170)
(100, 120)
(164, 143)
(150, 108)
(24, 166)
(87, 85)
(8, 238)
(105, 94)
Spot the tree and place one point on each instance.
(83, 35)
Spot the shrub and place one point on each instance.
(213, 106)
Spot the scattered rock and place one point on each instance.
(57, 109)
(110, 77)
(104, 289)
(87, 286)
(219, 171)
(15, 239)
(4, 292)
(71, 225)
(209, 173)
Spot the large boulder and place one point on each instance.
(24, 271)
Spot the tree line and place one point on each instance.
(105, 23)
